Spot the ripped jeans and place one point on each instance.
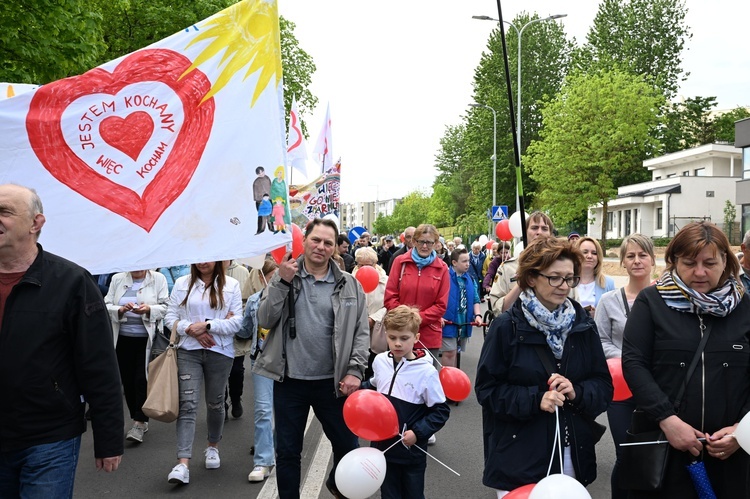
(193, 366)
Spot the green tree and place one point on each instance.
(595, 136)
(412, 210)
(730, 214)
(724, 123)
(644, 37)
(46, 40)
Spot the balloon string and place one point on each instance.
(556, 443)
(429, 353)
(418, 447)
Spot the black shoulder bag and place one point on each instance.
(597, 429)
(644, 466)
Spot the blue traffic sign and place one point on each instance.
(499, 213)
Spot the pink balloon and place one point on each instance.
(370, 415)
(622, 391)
(456, 384)
(520, 492)
(368, 277)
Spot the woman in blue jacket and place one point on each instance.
(540, 357)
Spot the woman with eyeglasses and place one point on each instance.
(419, 278)
(542, 373)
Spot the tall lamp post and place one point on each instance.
(519, 34)
(494, 151)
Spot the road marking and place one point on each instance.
(317, 472)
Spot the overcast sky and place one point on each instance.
(397, 72)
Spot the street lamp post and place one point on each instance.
(494, 150)
(519, 34)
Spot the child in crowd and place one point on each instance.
(409, 380)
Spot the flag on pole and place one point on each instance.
(163, 156)
(296, 147)
(324, 145)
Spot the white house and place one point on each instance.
(685, 186)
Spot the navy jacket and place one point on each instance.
(510, 383)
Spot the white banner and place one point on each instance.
(150, 160)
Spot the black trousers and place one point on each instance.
(131, 358)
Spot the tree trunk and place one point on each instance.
(604, 226)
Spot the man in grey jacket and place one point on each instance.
(316, 350)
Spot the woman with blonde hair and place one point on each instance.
(593, 281)
(367, 257)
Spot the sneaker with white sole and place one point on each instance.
(212, 458)
(432, 440)
(179, 474)
(135, 434)
(259, 474)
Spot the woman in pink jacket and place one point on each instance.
(420, 279)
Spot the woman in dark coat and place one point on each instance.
(543, 331)
(698, 293)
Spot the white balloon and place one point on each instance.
(517, 249)
(742, 433)
(483, 239)
(559, 487)
(514, 224)
(332, 216)
(255, 262)
(360, 472)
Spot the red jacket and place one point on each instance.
(426, 289)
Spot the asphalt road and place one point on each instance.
(144, 468)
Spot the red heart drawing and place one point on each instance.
(149, 65)
(130, 134)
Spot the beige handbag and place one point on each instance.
(163, 396)
(378, 343)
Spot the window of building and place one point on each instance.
(745, 218)
(671, 175)
(635, 220)
(628, 222)
(657, 178)
(746, 163)
(700, 172)
(686, 173)
(659, 215)
(610, 221)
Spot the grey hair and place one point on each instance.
(644, 242)
(746, 239)
(365, 254)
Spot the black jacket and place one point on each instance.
(55, 348)
(659, 344)
(511, 380)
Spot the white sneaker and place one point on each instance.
(212, 458)
(179, 474)
(259, 474)
(431, 440)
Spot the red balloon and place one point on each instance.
(278, 254)
(456, 384)
(401, 237)
(520, 492)
(297, 247)
(370, 415)
(489, 244)
(502, 230)
(368, 277)
(622, 392)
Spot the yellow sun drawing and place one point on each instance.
(248, 33)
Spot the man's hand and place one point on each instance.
(108, 464)
(681, 435)
(349, 384)
(288, 268)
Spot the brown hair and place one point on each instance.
(696, 236)
(215, 289)
(402, 318)
(545, 218)
(598, 272)
(425, 229)
(643, 242)
(323, 221)
(543, 252)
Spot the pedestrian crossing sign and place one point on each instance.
(499, 213)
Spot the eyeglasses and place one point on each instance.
(556, 281)
(422, 242)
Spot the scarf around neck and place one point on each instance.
(555, 324)
(422, 262)
(678, 296)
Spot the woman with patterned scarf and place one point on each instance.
(698, 294)
(542, 369)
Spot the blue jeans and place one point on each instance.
(193, 366)
(263, 435)
(404, 481)
(292, 400)
(41, 471)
